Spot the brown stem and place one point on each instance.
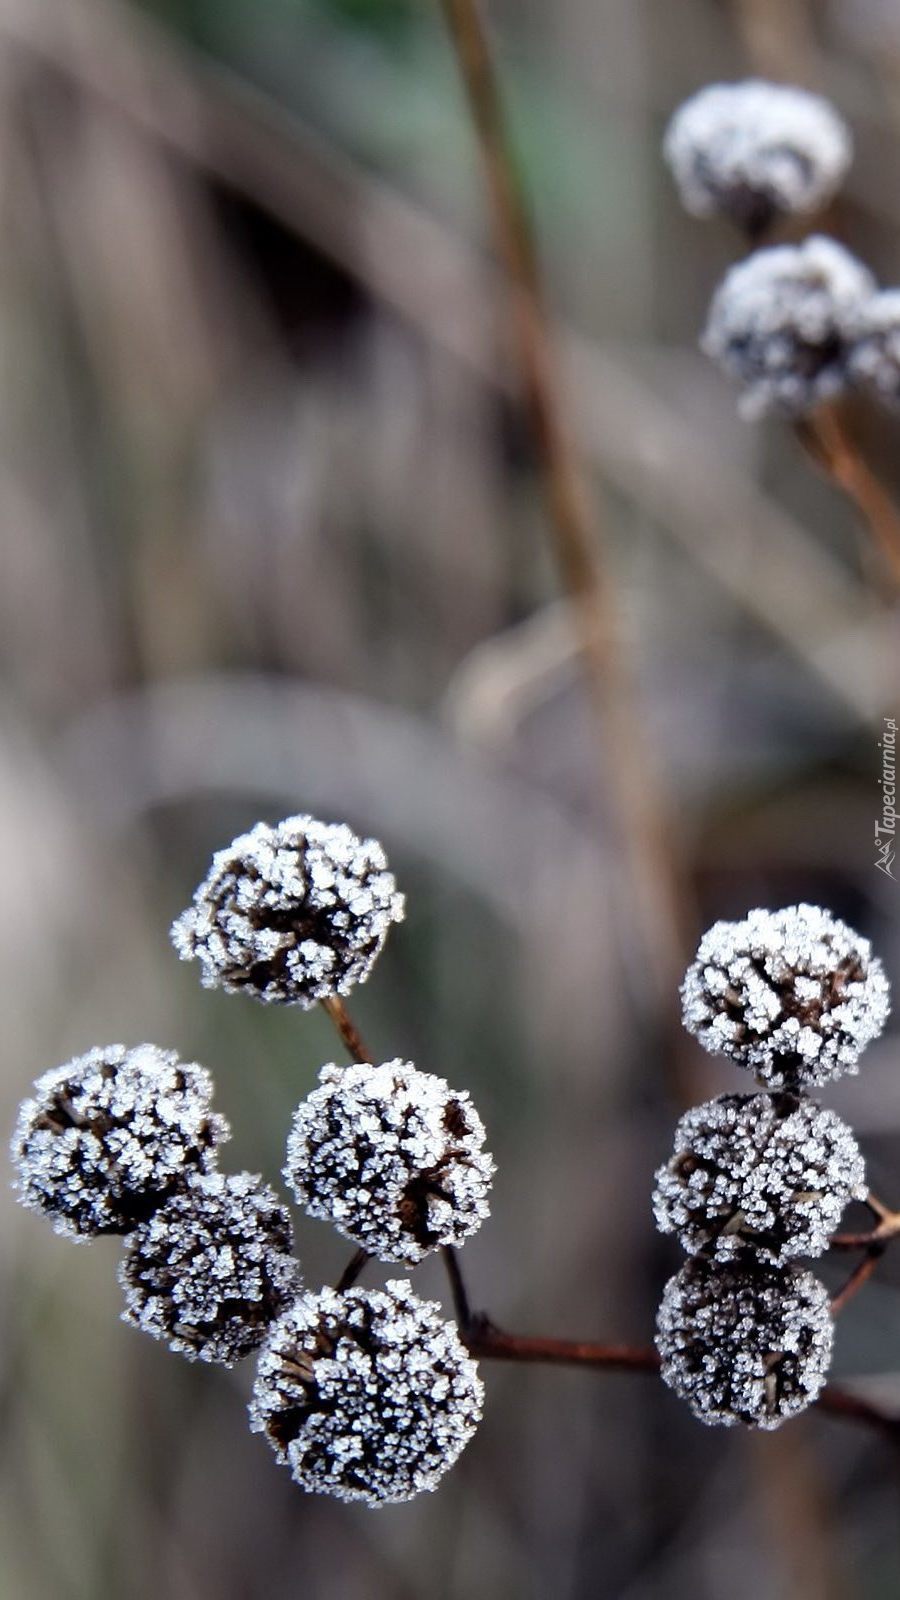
(461, 1305)
(488, 1343)
(352, 1038)
(824, 437)
(352, 1271)
(886, 1228)
(861, 1274)
(657, 891)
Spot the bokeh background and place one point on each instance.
(272, 539)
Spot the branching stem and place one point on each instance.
(487, 1342)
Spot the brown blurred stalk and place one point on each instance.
(627, 769)
(825, 438)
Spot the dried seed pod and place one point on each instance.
(743, 1342)
(212, 1269)
(291, 913)
(780, 324)
(793, 995)
(107, 1138)
(393, 1157)
(754, 150)
(367, 1395)
(765, 1173)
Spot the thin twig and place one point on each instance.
(887, 1227)
(825, 439)
(861, 1274)
(461, 1305)
(488, 1343)
(659, 895)
(352, 1039)
(352, 1271)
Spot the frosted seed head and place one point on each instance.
(753, 150)
(762, 1173)
(780, 324)
(367, 1395)
(391, 1156)
(107, 1138)
(291, 912)
(743, 1343)
(794, 996)
(874, 347)
(212, 1269)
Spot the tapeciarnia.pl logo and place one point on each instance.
(885, 830)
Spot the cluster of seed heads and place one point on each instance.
(794, 324)
(368, 1395)
(757, 1180)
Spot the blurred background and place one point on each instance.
(272, 539)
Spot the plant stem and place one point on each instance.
(825, 439)
(461, 1305)
(352, 1271)
(488, 1343)
(861, 1274)
(655, 882)
(352, 1038)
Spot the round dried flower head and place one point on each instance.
(794, 995)
(745, 1343)
(212, 1269)
(761, 1172)
(779, 324)
(367, 1395)
(108, 1137)
(752, 150)
(292, 912)
(393, 1157)
(874, 353)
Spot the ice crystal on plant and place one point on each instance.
(367, 1395)
(744, 1343)
(780, 324)
(874, 352)
(109, 1136)
(291, 912)
(795, 996)
(764, 1173)
(751, 150)
(393, 1157)
(212, 1269)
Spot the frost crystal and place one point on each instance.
(393, 1157)
(745, 1343)
(874, 354)
(292, 912)
(108, 1137)
(780, 321)
(754, 149)
(760, 1172)
(212, 1269)
(794, 995)
(367, 1395)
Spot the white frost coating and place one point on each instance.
(753, 149)
(393, 1157)
(367, 1395)
(745, 1345)
(780, 323)
(292, 912)
(760, 1173)
(795, 996)
(212, 1269)
(874, 353)
(106, 1138)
